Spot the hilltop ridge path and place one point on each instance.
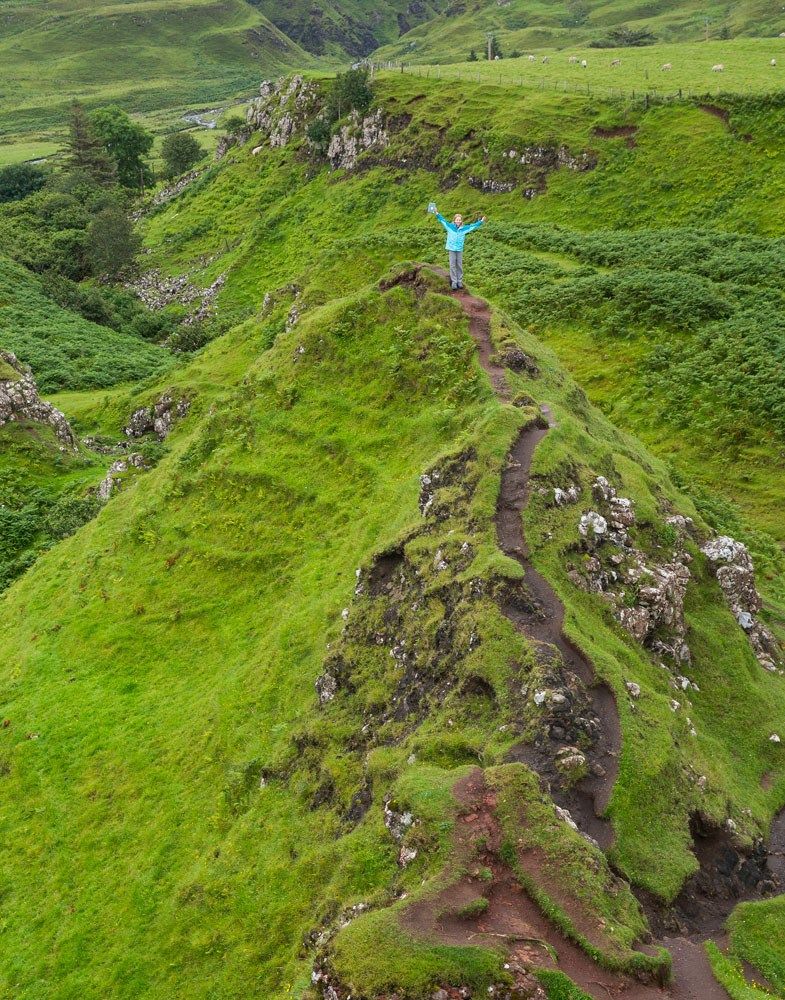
(693, 978)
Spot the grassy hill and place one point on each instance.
(153, 55)
(746, 62)
(526, 25)
(183, 815)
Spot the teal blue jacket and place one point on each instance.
(456, 236)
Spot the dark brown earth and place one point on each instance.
(627, 132)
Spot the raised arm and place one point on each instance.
(474, 225)
(447, 225)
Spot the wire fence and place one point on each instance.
(646, 94)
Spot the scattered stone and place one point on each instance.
(406, 855)
(562, 497)
(326, 688)
(775, 738)
(593, 525)
(19, 400)
(633, 689)
(396, 822)
(158, 291)
(731, 563)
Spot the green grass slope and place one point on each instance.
(629, 72)
(65, 350)
(144, 55)
(529, 24)
(176, 815)
(180, 816)
(646, 320)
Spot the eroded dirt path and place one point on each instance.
(510, 911)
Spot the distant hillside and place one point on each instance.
(146, 55)
(531, 24)
(154, 54)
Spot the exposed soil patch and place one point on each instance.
(510, 919)
(712, 109)
(627, 132)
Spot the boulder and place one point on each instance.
(19, 400)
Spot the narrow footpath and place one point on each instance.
(692, 975)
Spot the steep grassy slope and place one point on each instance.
(525, 25)
(169, 779)
(642, 318)
(182, 815)
(65, 350)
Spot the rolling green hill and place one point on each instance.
(284, 716)
(527, 24)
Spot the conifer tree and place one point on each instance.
(86, 152)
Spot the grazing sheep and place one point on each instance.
(584, 63)
(572, 59)
(616, 62)
(718, 68)
(531, 58)
(773, 62)
(666, 67)
(545, 59)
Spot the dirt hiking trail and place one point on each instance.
(511, 915)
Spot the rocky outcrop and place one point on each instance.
(283, 109)
(360, 134)
(552, 157)
(111, 482)
(158, 418)
(177, 187)
(731, 563)
(19, 400)
(647, 597)
(157, 291)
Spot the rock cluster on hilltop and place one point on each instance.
(732, 565)
(285, 109)
(19, 400)
(359, 135)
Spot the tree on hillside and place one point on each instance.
(351, 91)
(86, 153)
(473, 55)
(180, 151)
(625, 37)
(19, 180)
(494, 48)
(126, 142)
(112, 243)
